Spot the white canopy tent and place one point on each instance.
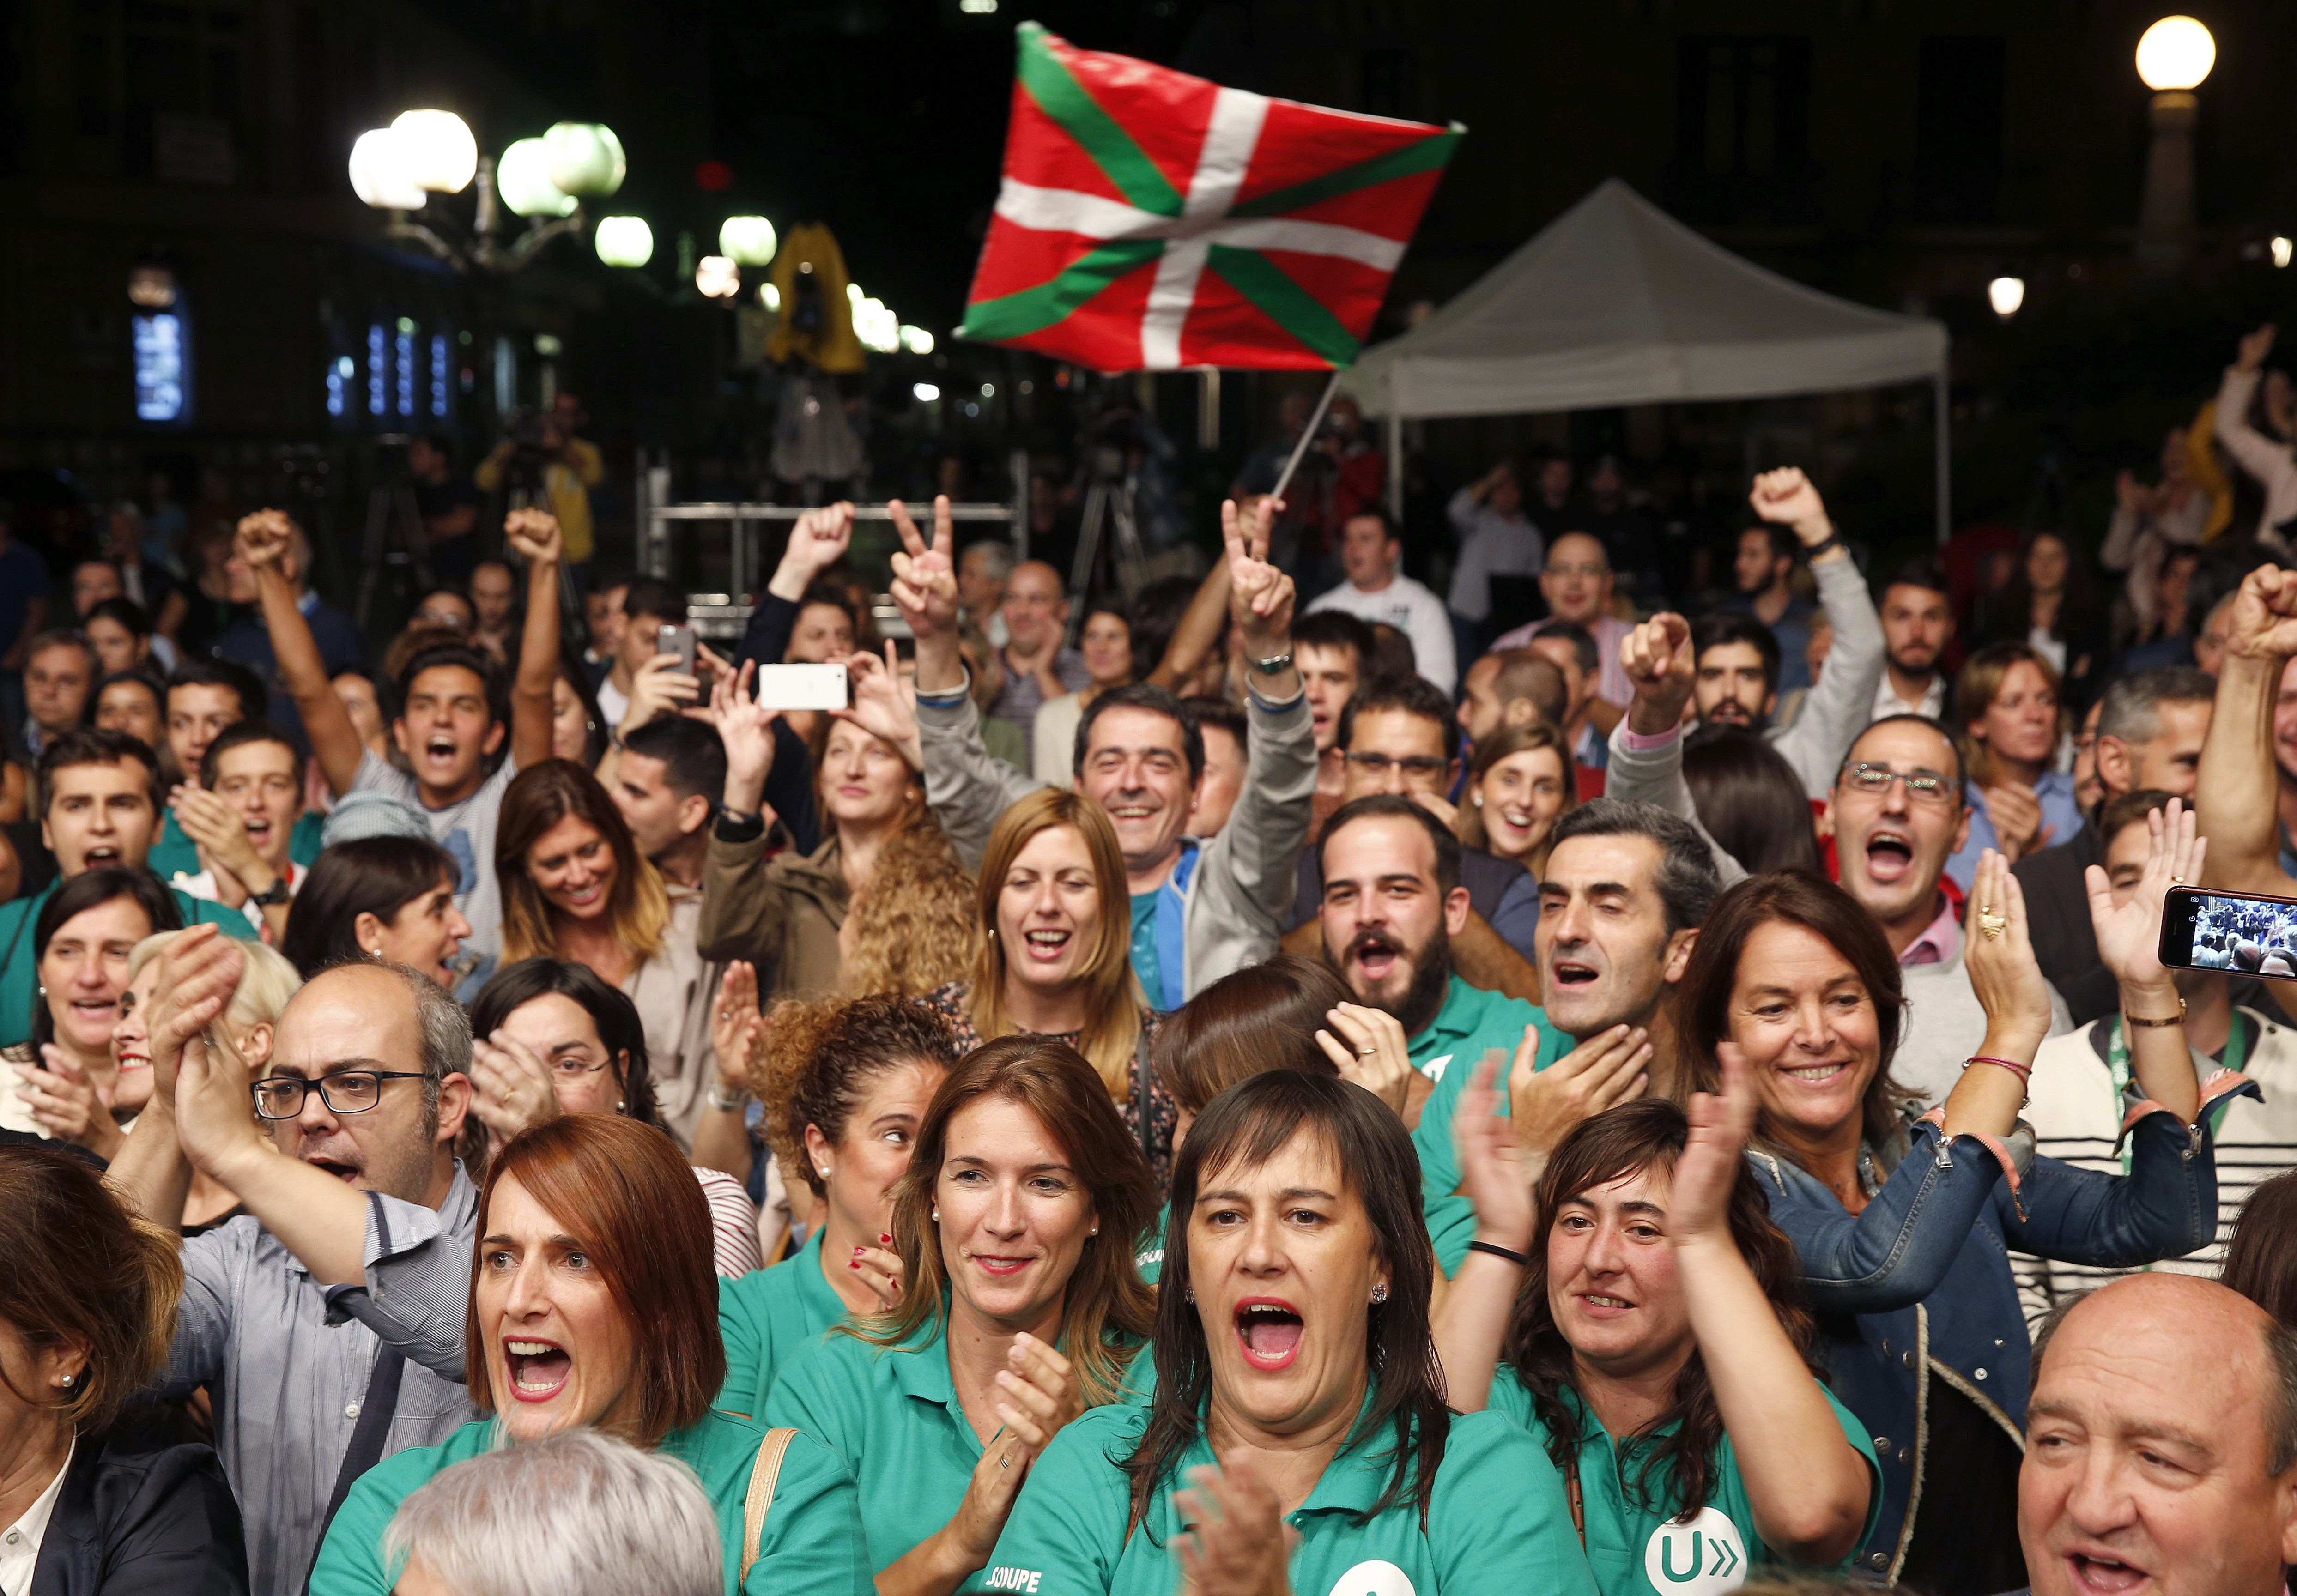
(1616, 302)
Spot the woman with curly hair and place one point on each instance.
(845, 1082)
(1644, 1322)
(914, 925)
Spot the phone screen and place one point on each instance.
(2240, 933)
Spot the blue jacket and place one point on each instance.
(1919, 1283)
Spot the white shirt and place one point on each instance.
(1887, 701)
(1411, 609)
(1490, 545)
(19, 1543)
(614, 703)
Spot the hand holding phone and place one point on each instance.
(678, 640)
(2230, 934)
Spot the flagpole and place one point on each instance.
(1307, 435)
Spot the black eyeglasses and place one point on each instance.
(1381, 764)
(353, 1091)
(1923, 786)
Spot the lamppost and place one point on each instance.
(425, 152)
(2173, 57)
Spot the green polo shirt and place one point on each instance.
(174, 853)
(767, 1315)
(812, 1541)
(892, 1414)
(1471, 1023)
(1643, 1549)
(1499, 1524)
(1148, 1252)
(19, 980)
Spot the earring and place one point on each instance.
(1094, 1231)
(1190, 1293)
(1379, 1293)
(936, 1216)
(825, 1172)
(1479, 797)
(621, 1104)
(65, 1380)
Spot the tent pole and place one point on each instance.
(1396, 467)
(1941, 421)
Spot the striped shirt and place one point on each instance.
(2077, 1118)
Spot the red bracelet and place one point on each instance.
(2024, 1072)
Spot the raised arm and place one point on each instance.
(2129, 943)
(1808, 1486)
(1472, 1314)
(2237, 793)
(2263, 458)
(199, 970)
(262, 540)
(1840, 702)
(1646, 763)
(534, 534)
(1202, 626)
(924, 590)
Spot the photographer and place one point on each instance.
(543, 466)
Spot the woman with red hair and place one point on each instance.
(592, 1303)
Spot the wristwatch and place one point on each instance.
(1275, 664)
(276, 893)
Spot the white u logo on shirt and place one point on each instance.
(1702, 1556)
(1374, 1577)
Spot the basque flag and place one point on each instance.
(1150, 220)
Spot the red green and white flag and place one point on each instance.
(1150, 220)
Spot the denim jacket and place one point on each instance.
(1918, 1285)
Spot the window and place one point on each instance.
(1743, 129)
(1958, 128)
(378, 371)
(159, 347)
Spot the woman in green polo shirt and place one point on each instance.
(846, 1085)
(593, 1303)
(1021, 1311)
(1653, 1344)
(1293, 1347)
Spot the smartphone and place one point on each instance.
(677, 640)
(2240, 933)
(802, 686)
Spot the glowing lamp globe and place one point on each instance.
(770, 297)
(748, 240)
(2006, 295)
(586, 159)
(438, 148)
(916, 340)
(380, 174)
(2176, 53)
(717, 276)
(624, 240)
(523, 178)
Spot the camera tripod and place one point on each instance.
(1109, 505)
(394, 539)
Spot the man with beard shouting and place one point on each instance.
(1626, 888)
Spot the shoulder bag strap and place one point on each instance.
(764, 1475)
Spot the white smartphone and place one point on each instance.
(801, 687)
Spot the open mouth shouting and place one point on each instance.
(539, 1370)
(2104, 1573)
(1513, 821)
(101, 854)
(1046, 944)
(1889, 856)
(439, 750)
(259, 830)
(1376, 956)
(1270, 1330)
(342, 1169)
(1730, 712)
(1574, 972)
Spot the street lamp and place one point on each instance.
(624, 240)
(2173, 57)
(748, 240)
(2006, 295)
(717, 278)
(422, 153)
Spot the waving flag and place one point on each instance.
(1150, 220)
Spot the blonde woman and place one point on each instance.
(1521, 784)
(575, 887)
(2008, 718)
(1056, 955)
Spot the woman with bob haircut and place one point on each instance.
(846, 1086)
(2261, 1262)
(549, 1038)
(1298, 1439)
(65, 1084)
(383, 897)
(2008, 716)
(1903, 1226)
(1520, 784)
(1056, 957)
(1015, 1219)
(87, 1308)
(575, 887)
(592, 1304)
(1647, 1321)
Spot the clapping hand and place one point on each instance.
(737, 1027)
(1699, 1202)
(200, 969)
(1998, 952)
(66, 1105)
(924, 575)
(2016, 811)
(1237, 1543)
(2130, 937)
(1497, 1171)
(218, 832)
(511, 1088)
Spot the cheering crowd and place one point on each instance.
(1281, 1098)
